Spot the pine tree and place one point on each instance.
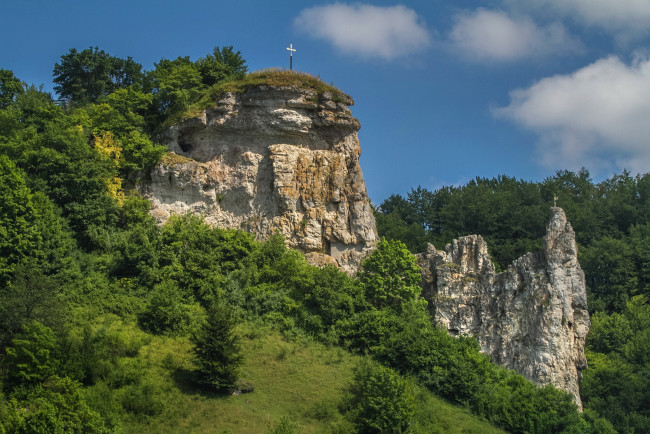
(217, 350)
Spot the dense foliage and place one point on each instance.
(88, 279)
(612, 224)
(88, 75)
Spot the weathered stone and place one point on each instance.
(272, 159)
(287, 159)
(531, 318)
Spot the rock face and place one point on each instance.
(281, 158)
(531, 318)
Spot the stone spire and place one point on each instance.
(531, 318)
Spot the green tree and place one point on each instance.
(19, 237)
(31, 358)
(88, 75)
(198, 257)
(176, 83)
(610, 273)
(166, 312)
(10, 86)
(32, 296)
(223, 63)
(380, 400)
(390, 275)
(217, 349)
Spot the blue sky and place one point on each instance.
(444, 90)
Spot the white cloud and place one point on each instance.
(595, 117)
(485, 35)
(366, 30)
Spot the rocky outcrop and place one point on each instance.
(531, 318)
(272, 158)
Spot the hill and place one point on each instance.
(101, 307)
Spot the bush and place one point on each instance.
(380, 400)
(166, 312)
(55, 407)
(142, 399)
(31, 358)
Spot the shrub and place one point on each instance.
(380, 400)
(166, 312)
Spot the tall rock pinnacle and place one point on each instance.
(531, 318)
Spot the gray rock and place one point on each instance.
(272, 159)
(531, 318)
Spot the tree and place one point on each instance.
(380, 400)
(32, 296)
(390, 275)
(180, 82)
(18, 236)
(31, 357)
(86, 76)
(176, 83)
(221, 64)
(10, 86)
(166, 312)
(217, 350)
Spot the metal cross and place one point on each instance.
(555, 198)
(291, 50)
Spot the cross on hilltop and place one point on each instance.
(291, 50)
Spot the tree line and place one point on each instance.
(87, 277)
(612, 224)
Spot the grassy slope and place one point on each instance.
(300, 382)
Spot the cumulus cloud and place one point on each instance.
(595, 117)
(366, 30)
(486, 35)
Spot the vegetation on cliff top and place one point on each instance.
(267, 77)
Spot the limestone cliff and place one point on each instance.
(272, 158)
(285, 157)
(531, 318)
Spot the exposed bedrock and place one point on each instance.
(531, 318)
(272, 159)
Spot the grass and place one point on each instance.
(266, 77)
(298, 385)
(277, 78)
(172, 159)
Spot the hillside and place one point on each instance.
(611, 221)
(111, 322)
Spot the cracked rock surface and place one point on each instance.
(272, 159)
(532, 318)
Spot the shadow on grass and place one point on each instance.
(188, 383)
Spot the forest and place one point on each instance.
(612, 224)
(112, 323)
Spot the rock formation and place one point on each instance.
(531, 318)
(272, 158)
(286, 158)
